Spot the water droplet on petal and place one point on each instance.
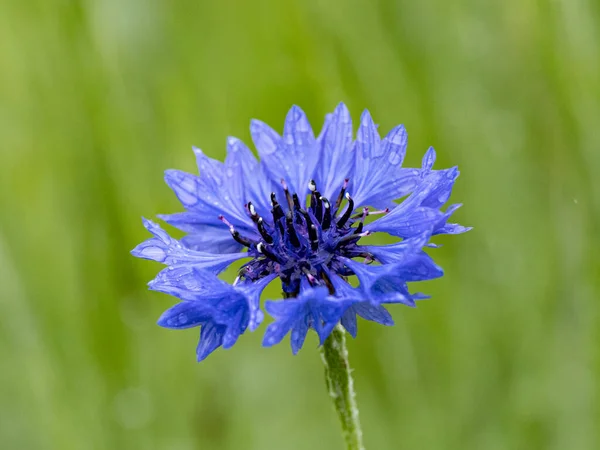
(155, 253)
(394, 158)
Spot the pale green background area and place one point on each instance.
(98, 97)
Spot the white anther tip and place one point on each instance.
(260, 247)
(348, 196)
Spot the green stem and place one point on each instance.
(340, 386)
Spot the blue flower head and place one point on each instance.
(299, 215)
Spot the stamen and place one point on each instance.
(252, 211)
(312, 230)
(306, 218)
(239, 238)
(381, 211)
(311, 279)
(264, 250)
(287, 194)
(297, 208)
(296, 201)
(327, 280)
(318, 206)
(277, 212)
(313, 237)
(236, 234)
(348, 212)
(263, 231)
(360, 226)
(350, 237)
(365, 255)
(315, 201)
(326, 223)
(338, 202)
(372, 213)
(225, 221)
(291, 230)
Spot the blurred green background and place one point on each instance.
(98, 97)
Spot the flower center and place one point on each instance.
(299, 242)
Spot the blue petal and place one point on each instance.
(366, 150)
(395, 253)
(393, 181)
(440, 189)
(356, 305)
(378, 178)
(298, 334)
(367, 139)
(249, 176)
(336, 160)
(406, 223)
(225, 311)
(287, 313)
(192, 314)
(204, 196)
(418, 213)
(391, 290)
(343, 289)
(387, 180)
(167, 250)
(188, 189)
(387, 283)
(185, 314)
(200, 286)
(428, 159)
(368, 311)
(443, 227)
(394, 147)
(292, 158)
(312, 308)
(189, 284)
(452, 228)
(301, 149)
(418, 267)
(219, 190)
(213, 240)
(349, 321)
(328, 119)
(211, 338)
(252, 291)
(236, 325)
(205, 236)
(374, 313)
(209, 169)
(192, 222)
(368, 274)
(266, 140)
